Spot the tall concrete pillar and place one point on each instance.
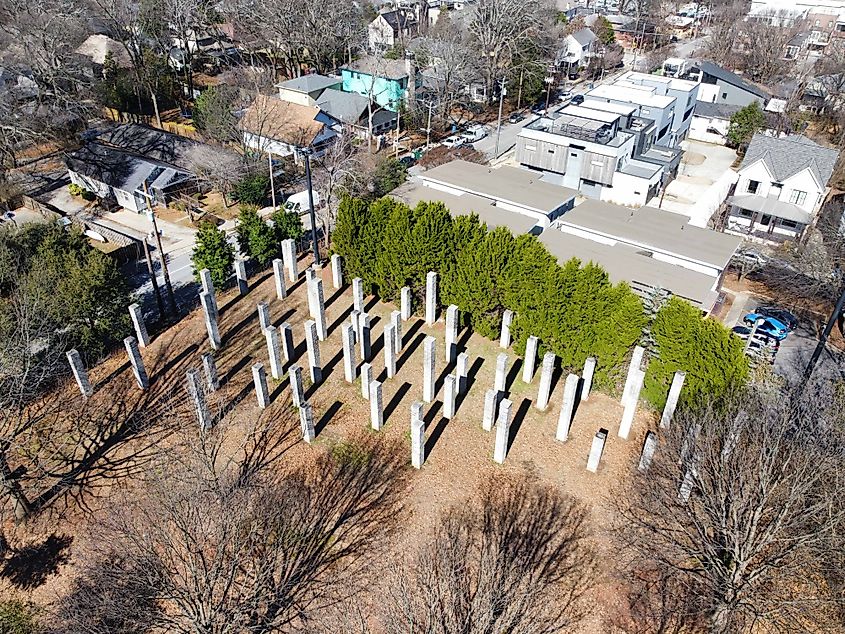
(596, 450)
(358, 294)
(451, 333)
(240, 274)
(366, 379)
(286, 335)
(396, 322)
(259, 380)
(672, 399)
(546, 372)
(462, 370)
(390, 350)
(79, 372)
(140, 327)
(570, 390)
(209, 366)
(264, 315)
(279, 279)
(376, 406)
(289, 257)
(530, 360)
(364, 336)
(310, 295)
(208, 287)
(417, 436)
(649, 447)
(210, 320)
(320, 317)
(501, 372)
(197, 396)
(428, 369)
(450, 395)
(430, 298)
(636, 362)
(505, 337)
(337, 272)
(312, 345)
(354, 318)
(631, 404)
(274, 351)
(491, 398)
(503, 431)
(306, 423)
(587, 377)
(405, 303)
(350, 363)
(136, 362)
(310, 275)
(297, 393)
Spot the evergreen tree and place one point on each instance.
(256, 238)
(745, 123)
(252, 190)
(352, 214)
(213, 252)
(395, 261)
(286, 225)
(432, 242)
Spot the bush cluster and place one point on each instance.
(574, 310)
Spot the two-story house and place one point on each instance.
(577, 48)
(685, 93)
(782, 184)
(390, 28)
(283, 128)
(387, 82)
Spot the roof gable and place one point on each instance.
(786, 156)
(284, 121)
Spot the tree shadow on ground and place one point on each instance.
(29, 567)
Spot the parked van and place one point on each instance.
(475, 133)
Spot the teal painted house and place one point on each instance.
(385, 81)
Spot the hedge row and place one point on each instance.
(574, 310)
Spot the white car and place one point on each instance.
(454, 141)
(475, 133)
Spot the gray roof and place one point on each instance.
(123, 170)
(772, 207)
(654, 230)
(149, 143)
(584, 37)
(310, 83)
(785, 156)
(345, 106)
(715, 110)
(732, 78)
(379, 67)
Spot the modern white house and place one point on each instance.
(781, 187)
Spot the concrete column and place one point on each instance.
(289, 257)
(350, 363)
(587, 377)
(501, 372)
(310, 275)
(240, 274)
(286, 335)
(396, 322)
(390, 350)
(451, 333)
(503, 431)
(208, 287)
(636, 362)
(405, 303)
(505, 338)
(140, 327)
(79, 372)
(570, 390)
(264, 315)
(313, 347)
(376, 406)
(279, 279)
(337, 272)
(530, 360)
(545, 380)
(297, 393)
(271, 336)
(209, 366)
(417, 436)
(462, 370)
(210, 320)
(320, 317)
(306, 423)
(259, 379)
(491, 398)
(596, 450)
(358, 294)
(450, 395)
(672, 399)
(354, 318)
(649, 447)
(366, 379)
(631, 404)
(428, 369)
(310, 295)
(430, 298)
(364, 336)
(197, 396)
(136, 362)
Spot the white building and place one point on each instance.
(791, 12)
(577, 48)
(388, 28)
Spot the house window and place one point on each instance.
(840, 27)
(766, 220)
(724, 95)
(797, 197)
(745, 213)
(788, 224)
(752, 187)
(817, 22)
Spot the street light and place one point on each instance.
(306, 153)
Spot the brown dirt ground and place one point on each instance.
(456, 462)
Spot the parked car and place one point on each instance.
(408, 161)
(539, 109)
(743, 332)
(475, 133)
(750, 257)
(577, 100)
(781, 314)
(564, 95)
(454, 141)
(516, 117)
(769, 325)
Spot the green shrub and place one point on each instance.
(75, 190)
(18, 617)
(255, 237)
(252, 190)
(88, 195)
(350, 453)
(286, 225)
(213, 252)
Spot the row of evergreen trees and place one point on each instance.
(574, 310)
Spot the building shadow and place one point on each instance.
(516, 421)
(396, 399)
(320, 425)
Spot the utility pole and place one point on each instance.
(427, 129)
(306, 152)
(817, 353)
(502, 93)
(549, 80)
(272, 185)
(162, 257)
(153, 279)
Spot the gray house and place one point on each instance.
(724, 87)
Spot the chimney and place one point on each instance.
(411, 70)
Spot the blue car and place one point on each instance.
(770, 325)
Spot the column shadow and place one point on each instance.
(369, 303)
(435, 434)
(396, 399)
(240, 365)
(409, 348)
(171, 363)
(516, 422)
(472, 374)
(341, 318)
(463, 340)
(290, 312)
(114, 374)
(234, 330)
(282, 384)
(335, 295)
(512, 374)
(330, 366)
(320, 425)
